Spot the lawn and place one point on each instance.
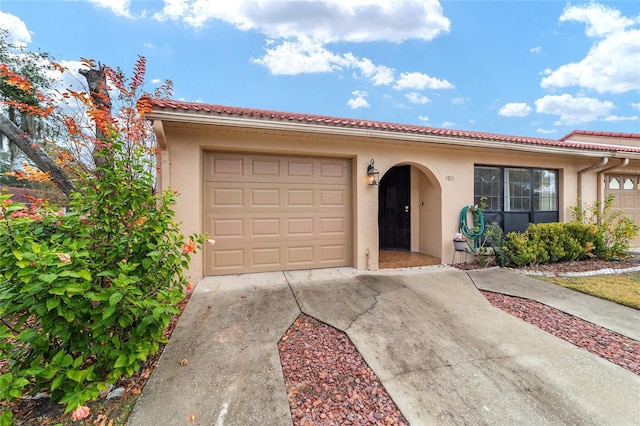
(620, 288)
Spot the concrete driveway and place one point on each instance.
(443, 353)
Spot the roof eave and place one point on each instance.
(234, 121)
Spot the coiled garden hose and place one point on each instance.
(475, 232)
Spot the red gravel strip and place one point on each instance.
(598, 340)
(327, 380)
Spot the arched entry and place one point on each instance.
(409, 217)
(394, 209)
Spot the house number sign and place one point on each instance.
(449, 178)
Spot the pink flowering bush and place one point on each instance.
(85, 297)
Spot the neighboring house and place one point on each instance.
(282, 191)
(20, 195)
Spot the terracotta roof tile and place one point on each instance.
(164, 104)
(604, 134)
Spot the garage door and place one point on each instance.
(271, 213)
(626, 192)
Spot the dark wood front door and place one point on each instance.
(394, 217)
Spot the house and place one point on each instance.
(282, 191)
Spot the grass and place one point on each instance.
(619, 288)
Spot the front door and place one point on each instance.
(394, 217)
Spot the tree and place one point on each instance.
(62, 132)
(33, 67)
(24, 76)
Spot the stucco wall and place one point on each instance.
(442, 179)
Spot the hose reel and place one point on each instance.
(475, 231)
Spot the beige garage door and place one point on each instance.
(626, 191)
(271, 213)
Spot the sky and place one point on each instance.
(526, 68)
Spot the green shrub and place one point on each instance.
(616, 230)
(552, 242)
(86, 296)
(598, 231)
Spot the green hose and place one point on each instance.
(474, 233)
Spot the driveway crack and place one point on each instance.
(293, 293)
(373, 305)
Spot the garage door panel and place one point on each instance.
(266, 257)
(299, 226)
(224, 167)
(333, 226)
(332, 252)
(626, 192)
(262, 257)
(270, 213)
(333, 197)
(299, 168)
(226, 197)
(627, 201)
(297, 197)
(265, 227)
(265, 197)
(332, 170)
(227, 228)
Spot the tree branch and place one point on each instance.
(35, 154)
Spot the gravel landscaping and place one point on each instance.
(327, 380)
(605, 343)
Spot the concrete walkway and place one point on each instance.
(443, 353)
(621, 319)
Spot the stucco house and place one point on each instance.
(282, 191)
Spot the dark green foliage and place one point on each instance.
(85, 296)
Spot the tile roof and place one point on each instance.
(267, 115)
(603, 134)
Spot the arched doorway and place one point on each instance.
(409, 214)
(394, 209)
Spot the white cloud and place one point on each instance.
(574, 110)
(600, 20)
(423, 118)
(306, 55)
(611, 66)
(459, 100)
(359, 100)
(420, 81)
(379, 74)
(619, 118)
(635, 105)
(303, 55)
(448, 124)
(536, 49)
(515, 109)
(118, 7)
(18, 34)
(326, 20)
(417, 98)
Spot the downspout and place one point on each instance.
(623, 163)
(603, 162)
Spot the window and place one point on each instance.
(517, 190)
(545, 190)
(517, 196)
(488, 183)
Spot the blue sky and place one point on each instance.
(529, 68)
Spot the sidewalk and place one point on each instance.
(615, 317)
